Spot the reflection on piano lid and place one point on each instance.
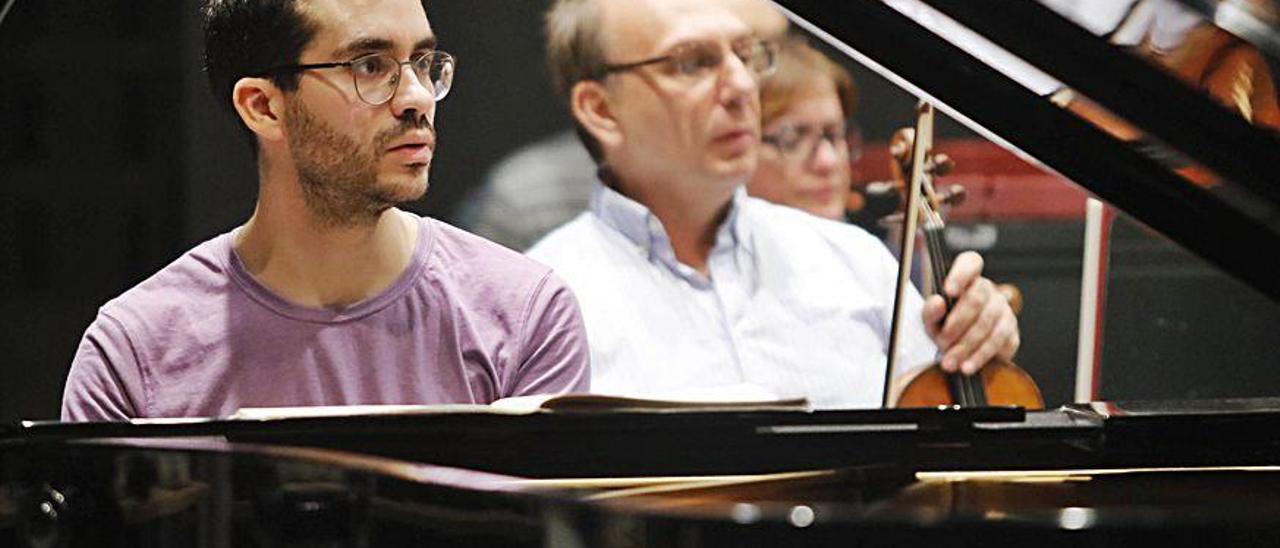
(1256, 21)
(210, 493)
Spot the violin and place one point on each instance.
(999, 382)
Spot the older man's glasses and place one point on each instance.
(798, 143)
(377, 75)
(698, 59)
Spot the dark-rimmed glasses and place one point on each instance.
(377, 75)
(697, 59)
(798, 142)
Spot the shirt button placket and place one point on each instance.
(728, 291)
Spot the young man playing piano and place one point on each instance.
(686, 282)
(329, 294)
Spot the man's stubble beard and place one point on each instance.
(339, 177)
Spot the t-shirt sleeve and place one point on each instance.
(105, 382)
(555, 358)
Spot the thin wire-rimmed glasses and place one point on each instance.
(377, 75)
(697, 59)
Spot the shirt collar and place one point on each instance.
(639, 225)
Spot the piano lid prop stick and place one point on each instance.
(1092, 295)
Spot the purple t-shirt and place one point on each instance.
(467, 322)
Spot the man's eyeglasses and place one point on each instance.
(798, 143)
(698, 59)
(377, 75)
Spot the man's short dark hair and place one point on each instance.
(247, 37)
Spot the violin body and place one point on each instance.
(1003, 382)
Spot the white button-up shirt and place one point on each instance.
(794, 304)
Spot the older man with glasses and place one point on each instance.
(689, 286)
(329, 294)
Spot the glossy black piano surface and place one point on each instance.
(1100, 474)
(201, 493)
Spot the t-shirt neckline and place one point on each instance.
(284, 307)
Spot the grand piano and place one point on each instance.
(1181, 472)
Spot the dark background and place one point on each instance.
(114, 161)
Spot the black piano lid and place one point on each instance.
(1228, 226)
(649, 444)
(1128, 85)
(695, 444)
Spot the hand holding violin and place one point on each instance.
(981, 326)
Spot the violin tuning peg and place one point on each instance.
(952, 195)
(941, 164)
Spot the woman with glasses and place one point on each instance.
(808, 140)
